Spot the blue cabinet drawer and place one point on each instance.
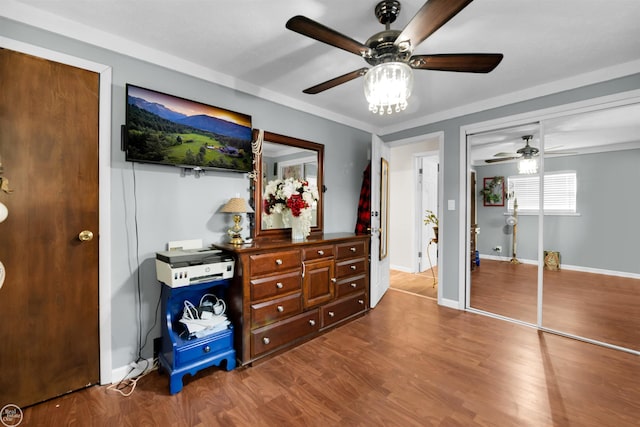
(200, 348)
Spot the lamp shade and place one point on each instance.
(236, 205)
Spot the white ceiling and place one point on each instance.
(548, 46)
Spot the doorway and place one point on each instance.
(414, 189)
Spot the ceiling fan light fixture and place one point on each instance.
(527, 166)
(387, 87)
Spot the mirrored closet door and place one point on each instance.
(503, 267)
(591, 268)
(575, 269)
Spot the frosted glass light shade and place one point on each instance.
(527, 166)
(387, 87)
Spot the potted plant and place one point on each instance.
(431, 218)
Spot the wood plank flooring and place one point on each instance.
(595, 306)
(422, 284)
(408, 362)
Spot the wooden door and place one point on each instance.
(49, 328)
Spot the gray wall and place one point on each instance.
(168, 206)
(604, 235)
(449, 223)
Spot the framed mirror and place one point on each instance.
(285, 157)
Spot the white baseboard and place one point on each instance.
(401, 268)
(450, 303)
(568, 267)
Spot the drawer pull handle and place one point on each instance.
(331, 314)
(352, 249)
(353, 267)
(206, 349)
(279, 285)
(320, 252)
(334, 280)
(280, 309)
(266, 340)
(278, 262)
(360, 301)
(353, 285)
(312, 322)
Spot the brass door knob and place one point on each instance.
(85, 236)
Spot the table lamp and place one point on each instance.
(236, 206)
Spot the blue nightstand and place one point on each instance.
(181, 354)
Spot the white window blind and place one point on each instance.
(559, 192)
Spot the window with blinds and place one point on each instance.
(559, 192)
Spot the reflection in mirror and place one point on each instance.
(504, 229)
(588, 262)
(591, 273)
(284, 158)
(280, 162)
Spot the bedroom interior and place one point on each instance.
(538, 326)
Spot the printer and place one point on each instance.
(184, 267)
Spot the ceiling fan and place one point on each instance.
(526, 152)
(395, 46)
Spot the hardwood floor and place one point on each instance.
(408, 362)
(595, 306)
(422, 284)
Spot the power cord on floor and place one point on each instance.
(127, 385)
(435, 281)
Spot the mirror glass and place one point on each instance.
(504, 229)
(587, 257)
(591, 269)
(286, 157)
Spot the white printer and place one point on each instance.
(184, 267)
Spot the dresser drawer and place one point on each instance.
(350, 250)
(268, 312)
(274, 262)
(199, 348)
(271, 337)
(272, 286)
(351, 267)
(343, 308)
(317, 252)
(351, 285)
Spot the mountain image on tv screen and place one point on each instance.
(166, 129)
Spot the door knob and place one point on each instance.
(85, 236)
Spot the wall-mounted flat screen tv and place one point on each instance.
(169, 130)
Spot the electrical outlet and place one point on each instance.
(157, 345)
(497, 248)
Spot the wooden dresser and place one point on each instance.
(285, 293)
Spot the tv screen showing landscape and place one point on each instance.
(166, 129)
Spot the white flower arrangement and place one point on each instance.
(291, 195)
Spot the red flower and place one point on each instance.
(296, 203)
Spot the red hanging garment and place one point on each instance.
(363, 224)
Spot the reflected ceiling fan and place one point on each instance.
(526, 152)
(395, 46)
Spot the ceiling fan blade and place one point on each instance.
(503, 154)
(335, 82)
(504, 159)
(310, 28)
(462, 62)
(431, 16)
